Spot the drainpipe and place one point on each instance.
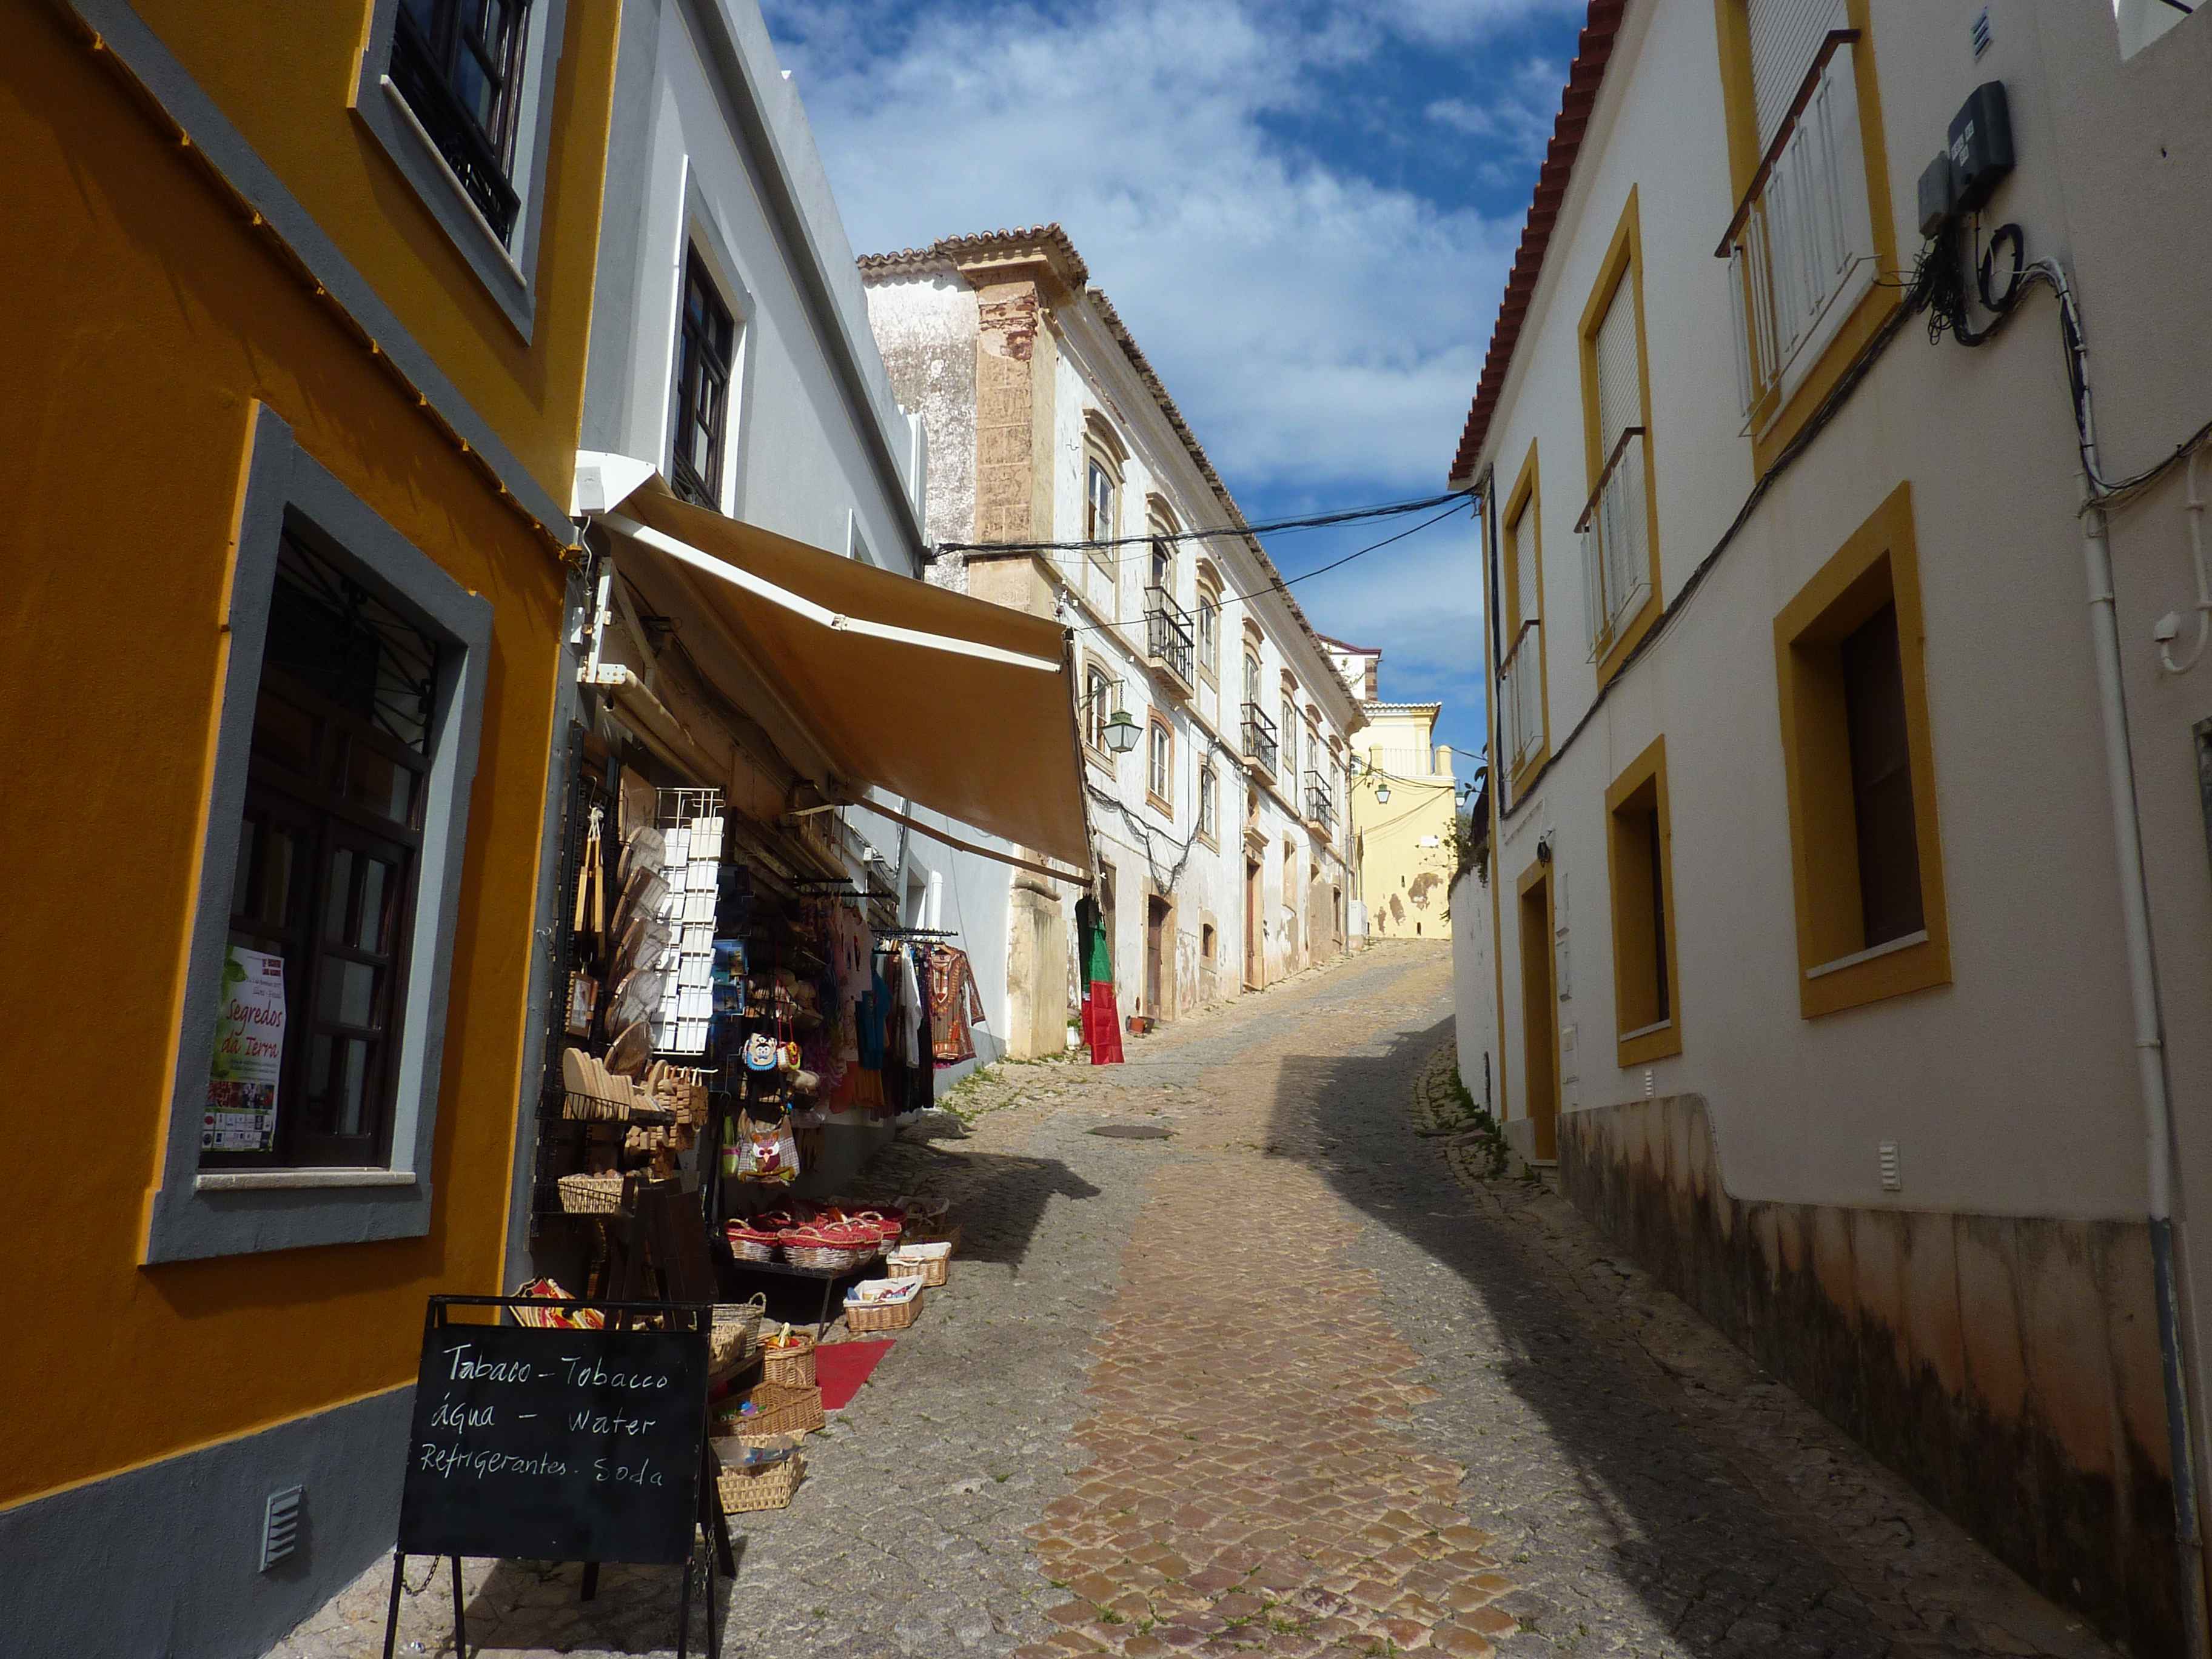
(2143, 993)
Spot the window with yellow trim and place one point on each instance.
(1522, 703)
(1639, 865)
(1867, 858)
(1619, 522)
(1812, 228)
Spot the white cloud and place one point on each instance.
(1322, 331)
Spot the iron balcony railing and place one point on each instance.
(476, 159)
(1260, 745)
(1523, 704)
(1802, 237)
(1616, 532)
(1169, 642)
(1321, 804)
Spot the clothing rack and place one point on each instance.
(917, 932)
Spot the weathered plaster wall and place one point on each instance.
(2007, 1365)
(1475, 993)
(926, 327)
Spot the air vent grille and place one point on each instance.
(1981, 31)
(280, 1525)
(1893, 1174)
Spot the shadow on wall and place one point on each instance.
(1682, 1519)
(2007, 1366)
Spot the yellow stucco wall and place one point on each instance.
(1386, 837)
(284, 75)
(145, 319)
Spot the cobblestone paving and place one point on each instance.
(1285, 1382)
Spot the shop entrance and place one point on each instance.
(1158, 917)
(1252, 965)
(1539, 1010)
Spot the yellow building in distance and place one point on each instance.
(1403, 797)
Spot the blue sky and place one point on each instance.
(1304, 211)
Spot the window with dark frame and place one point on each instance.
(1097, 688)
(1886, 831)
(706, 348)
(328, 845)
(458, 64)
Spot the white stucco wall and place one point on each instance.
(2011, 1089)
(926, 327)
(1474, 991)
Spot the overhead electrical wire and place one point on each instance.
(1263, 527)
(1458, 498)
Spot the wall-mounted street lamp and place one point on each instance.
(1121, 726)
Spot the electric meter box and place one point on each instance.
(1980, 146)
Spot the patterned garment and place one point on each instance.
(955, 1004)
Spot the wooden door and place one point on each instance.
(1254, 964)
(1540, 1012)
(1156, 931)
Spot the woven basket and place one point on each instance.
(792, 1367)
(736, 1328)
(591, 1194)
(882, 1316)
(824, 1257)
(934, 1273)
(775, 1411)
(768, 1488)
(925, 1234)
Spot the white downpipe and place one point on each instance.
(2194, 508)
(932, 904)
(2142, 989)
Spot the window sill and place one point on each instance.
(1874, 953)
(1164, 808)
(397, 99)
(253, 1180)
(1647, 1044)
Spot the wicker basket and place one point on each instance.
(591, 1194)
(736, 1329)
(882, 1316)
(790, 1367)
(775, 1411)
(925, 1234)
(932, 1273)
(826, 1257)
(768, 1488)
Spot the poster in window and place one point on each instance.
(249, 1053)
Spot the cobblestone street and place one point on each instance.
(1291, 1378)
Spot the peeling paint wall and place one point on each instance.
(926, 327)
(2007, 1366)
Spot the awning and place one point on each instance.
(960, 706)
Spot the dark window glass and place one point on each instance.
(328, 849)
(458, 64)
(1650, 833)
(1881, 781)
(706, 346)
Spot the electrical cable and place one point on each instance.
(1265, 527)
(1458, 499)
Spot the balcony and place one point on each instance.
(1521, 707)
(1262, 746)
(1801, 247)
(1170, 643)
(1615, 531)
(1321, 805)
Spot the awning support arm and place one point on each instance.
(1051, 872)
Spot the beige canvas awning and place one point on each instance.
(960, 706)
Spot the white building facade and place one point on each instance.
(1813, 774)
(1218, 832)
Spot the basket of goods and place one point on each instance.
(883, 1304)
(749, 1243)
(544, 1318)
(788, 1359)
(592, 1195)
(930, 1263)
(736, 1328)
(833, 1246)
(763, 1477)
(768, 1408)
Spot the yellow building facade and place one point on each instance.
(1403, 802)
(297, 364)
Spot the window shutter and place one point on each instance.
(1785, 36)
(1620, 384)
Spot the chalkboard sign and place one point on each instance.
(556, 1445)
